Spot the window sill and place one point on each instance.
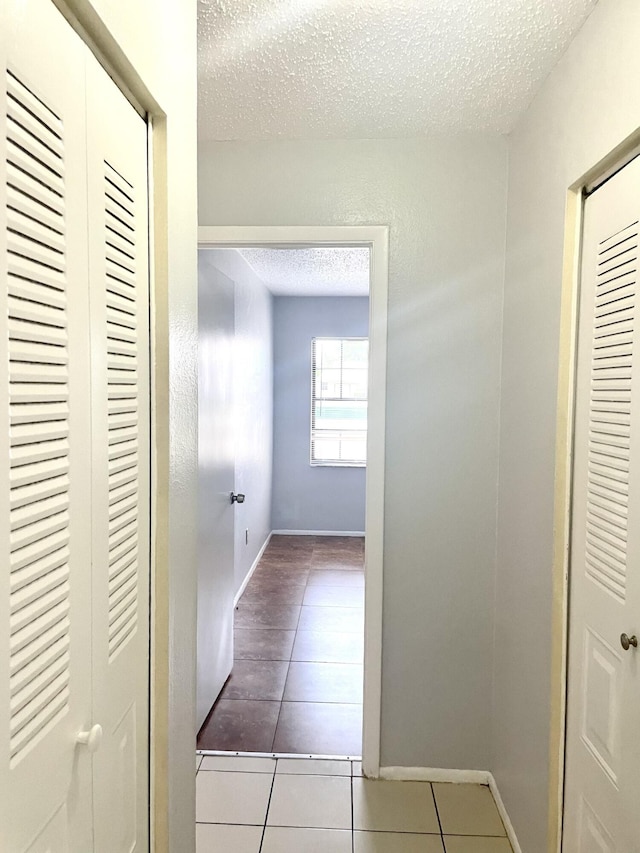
(337, 464)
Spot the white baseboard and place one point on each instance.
(317, 532)
(477, 777)
(511, 833)
(434, 774)
(254, 566)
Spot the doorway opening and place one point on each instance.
(292, 342)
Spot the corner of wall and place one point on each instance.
(507, 142)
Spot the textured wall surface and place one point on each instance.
(563, 134)
(444, 201)
(372, 68)
(309, 497)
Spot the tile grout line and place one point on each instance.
(275, 731)
(266, 814)
(353, 829)
(295, 637)
(435, 805)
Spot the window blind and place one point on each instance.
(339, 381)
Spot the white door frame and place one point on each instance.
(376, 237)
(565, 412)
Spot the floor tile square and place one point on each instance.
(256, 679)
(475, 844)
(322, 564)
(314, 767)
(324, 682)
(334, 596)
(312, 801)
(396, 842)
(319, 728)
(332, 577)
(355, 542)
(270, 598)
(255, 615)
(336, 619)
(278, 839)
(238, 764)
(232, 797)
(268, 581)
(293, 572)
(467, 810)
(337, 560)
(291, 553)
(394, 806)
(328, 647)
(263, 644)
(218, 837)
(292, 540)
(339, 544)
(240, 725)
(356, 768)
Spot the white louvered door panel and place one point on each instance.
(117, 169)
(603, 744)
(45, 793)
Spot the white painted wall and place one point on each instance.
(444, 200)
(307, 497)
(253, 406)
(588, 105)
(160, 45)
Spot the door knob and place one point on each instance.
(626, 642)
(91, 739)
(239, 498)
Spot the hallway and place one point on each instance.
(296, 684)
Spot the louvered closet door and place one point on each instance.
(117, 170)
(603, 734)
(45, 617)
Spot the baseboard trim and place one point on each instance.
(511, 833)
(317, 532)
(254, 566)
(477, 777)
(434, 774)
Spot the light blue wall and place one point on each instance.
(305, 497)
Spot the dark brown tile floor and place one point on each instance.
(296, 684)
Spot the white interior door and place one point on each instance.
(216, 331)
(74, 446)
(45, 533)
(119, 296)
(603, 741)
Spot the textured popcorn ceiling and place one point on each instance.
(374, 68)
(312, 272)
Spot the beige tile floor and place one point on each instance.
(298, 805)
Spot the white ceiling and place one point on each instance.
(312, 272)
(326, 69)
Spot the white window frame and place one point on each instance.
(332, 463)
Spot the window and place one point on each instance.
(339, 371)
